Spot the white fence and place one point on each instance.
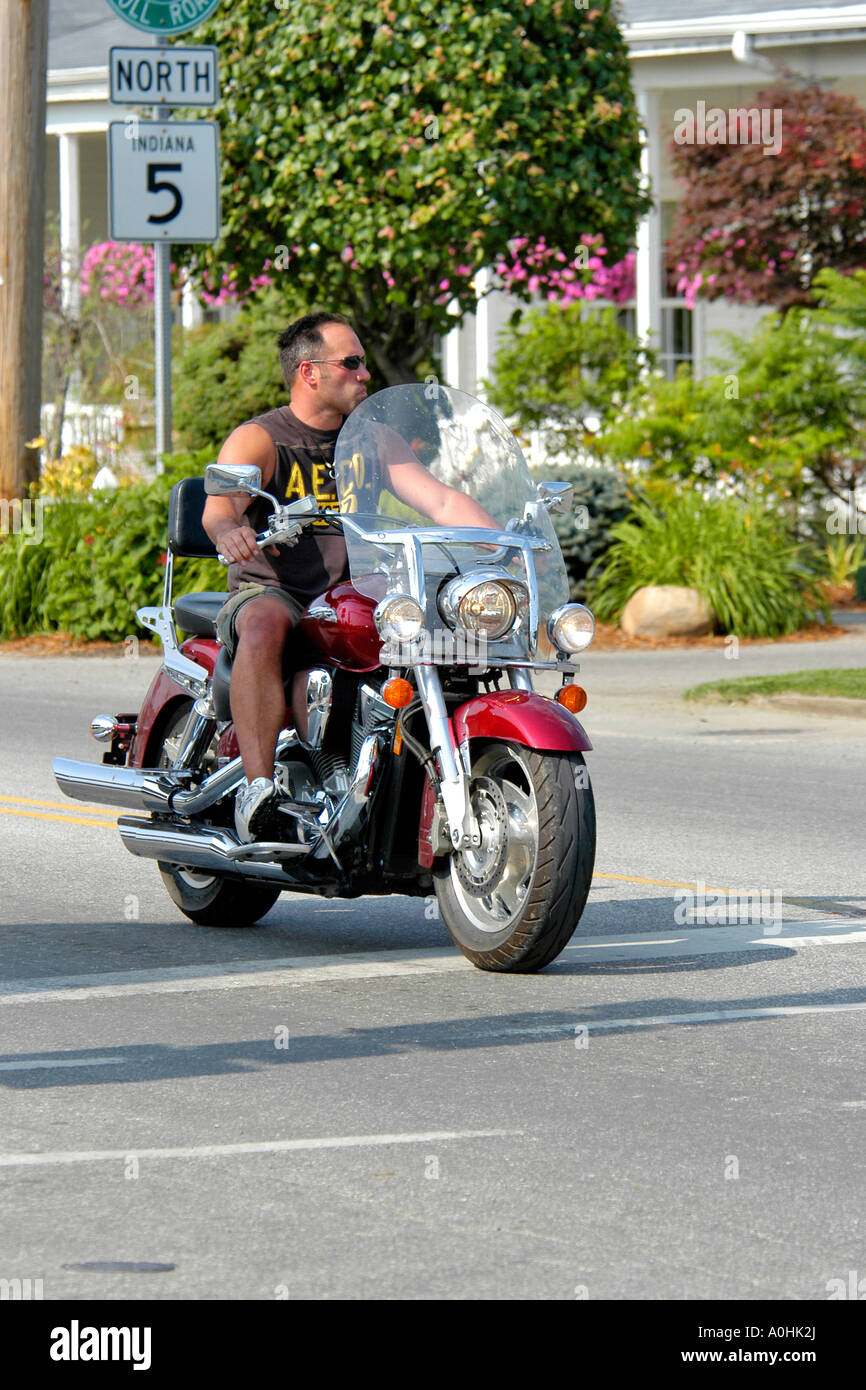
(96, 427)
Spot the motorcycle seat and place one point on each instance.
(196, 613)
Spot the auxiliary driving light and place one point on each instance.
(398, 617)
(571, 628)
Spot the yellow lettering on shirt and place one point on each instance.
(322, 490)
(295, 486)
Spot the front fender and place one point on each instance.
(521, 716)
(515, 716)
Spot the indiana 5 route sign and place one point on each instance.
(164, 16)
(164, 183)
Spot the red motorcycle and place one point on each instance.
(430, 763)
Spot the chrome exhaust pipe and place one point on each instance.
(151, 789)
(209, 848)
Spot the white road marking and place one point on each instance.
(63, 1062)
(708, 941)
(607, 1025)
(310, 970)
(302, 970)
(266, 1146)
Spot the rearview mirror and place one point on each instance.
(223, 478)
(556, 496)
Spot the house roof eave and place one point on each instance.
(667, 38)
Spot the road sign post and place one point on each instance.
(164, 181)
(162, 328)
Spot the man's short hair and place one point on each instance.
(303, 340)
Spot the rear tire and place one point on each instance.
(216, 901)
(209, 900)
(514, 904)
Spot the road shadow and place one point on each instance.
(149, 1062)
(298, 928)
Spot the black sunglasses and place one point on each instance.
(350, 363)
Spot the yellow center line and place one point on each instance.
(54, 805)
(824, 904)
(662, 882)
(45, 815)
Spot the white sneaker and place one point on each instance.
(252, 804)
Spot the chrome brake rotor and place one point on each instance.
(480, 869)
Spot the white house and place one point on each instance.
(720, 52)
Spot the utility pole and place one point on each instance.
(23, 63)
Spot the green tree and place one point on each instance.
(229, 372)
(377, 156)
(758, 221)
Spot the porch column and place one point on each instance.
(482, 329)
(648, 260)
(70, 220)
(451, 357)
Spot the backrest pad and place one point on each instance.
(186, 535)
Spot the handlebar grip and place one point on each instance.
(263, 539)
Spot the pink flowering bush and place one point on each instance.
(229, 290)
(542, 270)
(121, 273)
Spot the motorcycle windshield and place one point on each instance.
(392, 453)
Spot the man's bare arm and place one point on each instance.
(413, 484)
(223, 517)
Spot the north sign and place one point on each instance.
(164, 76)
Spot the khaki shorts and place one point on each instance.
(246, 590)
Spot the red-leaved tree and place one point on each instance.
(759, 220)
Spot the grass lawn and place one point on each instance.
(849, 684)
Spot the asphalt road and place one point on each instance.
(335, 1104)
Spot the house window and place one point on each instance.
(676, 347)
(676, 337)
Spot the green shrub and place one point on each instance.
(229, 372)
(600, 500)
(741, 559)
(561, 364)
(99, 558)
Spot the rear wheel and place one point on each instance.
(209, 900)
(513, 903)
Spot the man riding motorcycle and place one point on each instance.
(324, 369)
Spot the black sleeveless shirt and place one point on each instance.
(304, 464)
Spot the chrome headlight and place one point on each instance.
(484, 604)
(571, 628)
(398, 618)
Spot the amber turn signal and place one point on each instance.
(573, 697)
(397, 693)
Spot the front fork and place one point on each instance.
(454, 766)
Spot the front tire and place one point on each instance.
(513, 904)
(209, 900)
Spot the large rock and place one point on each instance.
(666, 610)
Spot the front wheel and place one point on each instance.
(209, 900)
(513, 903)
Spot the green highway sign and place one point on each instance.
(164, 16)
